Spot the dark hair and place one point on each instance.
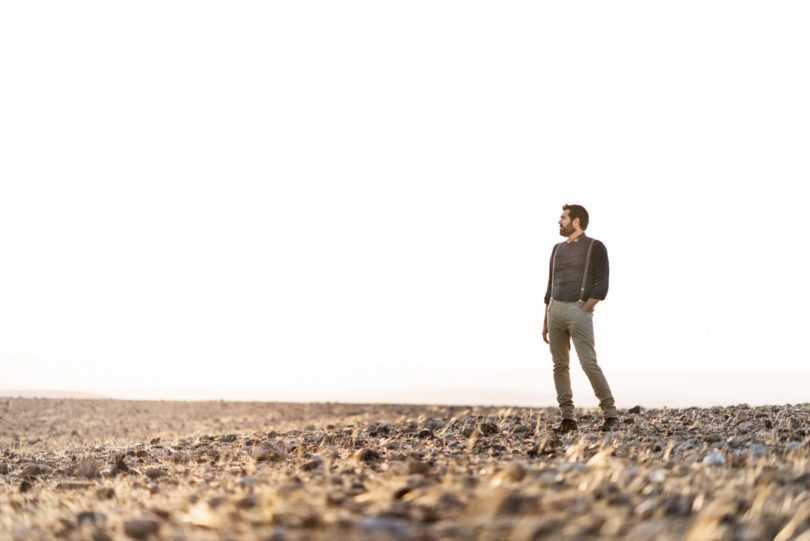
(577, 211)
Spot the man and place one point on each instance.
(578, 279)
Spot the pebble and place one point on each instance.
(385, 526)
(757, 449)
(180, 457)
(433, 424)
(268, 451)
(87, 468)
(154, 473)
(91, 517)
(418, 466)
(715, 458)
(366, 455)
(32, 470)
(313, 463)
(248, 502)
(105, 493)
(141, 528)
(488, 428)
(745, 427)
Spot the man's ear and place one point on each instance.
(575, 223)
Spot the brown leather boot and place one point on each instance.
(567, 425)
(611, 423)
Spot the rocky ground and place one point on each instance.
(101, 469)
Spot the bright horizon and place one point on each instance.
(358, 200)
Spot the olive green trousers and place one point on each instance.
(567, 322)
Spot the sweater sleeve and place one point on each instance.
(600, 273)
(550, 272)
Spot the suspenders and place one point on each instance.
(553, 266)
(584, 274)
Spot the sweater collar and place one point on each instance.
(577, 239)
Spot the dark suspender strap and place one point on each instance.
(585, 274)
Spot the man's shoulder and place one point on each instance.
(597, 243)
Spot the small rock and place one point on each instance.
(366, 455)
(216, 501)
(105, 493)
(87, 468)
(679, 506)
(154, 473)
(757, 449)
(268, 451)
(715, 458)
(514, 472)
(400, 492)
(91, 517)
(635, 409)
(31, 471)
(25, 486)
(248, 502)
(120, 466)
(310, 465)
(745, 427)
(488, 428)
(417, 466)
(380, 429)
(180, 457)
(141, 528)
(433, 424)
(385, 526)
(646, 509)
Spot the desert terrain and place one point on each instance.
(106, 469)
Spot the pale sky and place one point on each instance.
(357, 200)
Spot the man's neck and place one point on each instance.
(575, 235)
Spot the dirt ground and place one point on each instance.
(105, 469)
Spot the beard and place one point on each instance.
(567, 231)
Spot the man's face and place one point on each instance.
(566, 226)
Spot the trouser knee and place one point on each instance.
(560, 364)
